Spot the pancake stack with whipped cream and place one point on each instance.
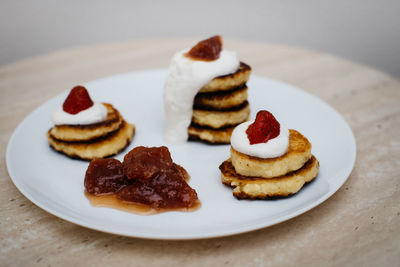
(268, 160)
(87, 130)
(205, 95)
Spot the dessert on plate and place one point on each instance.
(205, 94)
(146, 182)
(86, 130)
(268, 160)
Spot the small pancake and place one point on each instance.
(70, 133)
(102, 147)
(221, 99)
(210, 135)
(298, 153)
(229, 81)
(221, 118)
(259, 188)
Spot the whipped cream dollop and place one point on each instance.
(271, 149)
(185, 78)
(96, 113)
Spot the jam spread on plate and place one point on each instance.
(147, 180)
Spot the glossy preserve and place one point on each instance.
(104, 176)
(207, 50)
(143, 163)
(77, 100)
(147, 176)
(264, 128)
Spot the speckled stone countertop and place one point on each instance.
(359, 225)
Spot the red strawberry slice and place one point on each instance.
(77, 100)
(264, 128)
(207, 50)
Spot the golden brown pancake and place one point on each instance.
(210, 135)
(229, 81)
(221, 99)
(101, 147)
(221, 118)
(246, 187)
(299, 152)
(71, 133)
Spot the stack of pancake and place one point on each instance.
(97, 140)
(258, 178)
(220, 106)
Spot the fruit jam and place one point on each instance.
(146, 182)
(264, 128)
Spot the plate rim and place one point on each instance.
(242, 229)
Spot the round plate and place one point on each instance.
(54, 182)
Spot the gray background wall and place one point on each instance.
(365, 31)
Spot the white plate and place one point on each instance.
(55, 183)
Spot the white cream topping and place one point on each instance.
(185, 78)
(96, 113)
(273, 148)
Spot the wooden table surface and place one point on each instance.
(359, 225)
